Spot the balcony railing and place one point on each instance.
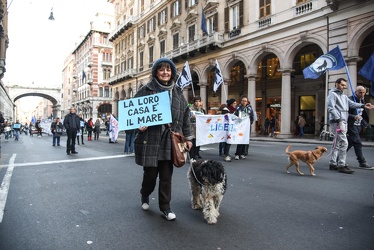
(124, 26)
(212, 39)
(303, 9)
(105, 63)
(125, 74)
(264, 22)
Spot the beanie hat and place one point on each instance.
(231, 101)
(164, 60)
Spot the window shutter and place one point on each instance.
(166, 14)
(159, 18)
(227, 19)
(215, 22)
(241, 23)
(180, 7)
(172, 10)
(186, 4)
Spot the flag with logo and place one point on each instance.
(113, 129)
(184, 78)
(332, 60)
(218, 79)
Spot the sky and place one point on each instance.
(37, 46)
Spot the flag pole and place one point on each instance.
(350, 82)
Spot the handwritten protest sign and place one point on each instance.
(222, 128)
(147, 110)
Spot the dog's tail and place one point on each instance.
(288, 148)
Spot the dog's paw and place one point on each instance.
(301, 173)
(313, 174)
(288, 172)
(211, 221)
(196, 206)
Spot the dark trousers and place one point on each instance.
(240, 149)
(226, 151)
(221, 148)
(354, 141)
(165, 173)
(194, 152)
(70, 142)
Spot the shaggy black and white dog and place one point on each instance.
(208, 185)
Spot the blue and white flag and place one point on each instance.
(203, 22)
(184, 78)
(218, 79)
(332, 60)
(367, 70)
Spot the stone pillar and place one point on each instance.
(286, 104)
(225, 90)
(352, 68)
(252, 98)
(56, 110)
(203, 94)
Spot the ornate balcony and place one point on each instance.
(122, 28)
(129, 73)
(198, 45)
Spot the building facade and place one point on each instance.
(90, 91)
(6, 103)
(262, 47)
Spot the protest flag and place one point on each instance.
(218, 79)
(332, 60)
(83, 76)
(184, 78)
(203, 22)
(367, 71)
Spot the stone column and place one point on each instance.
(203, 94)
(252, 98)
(286, 104)
(225, 90)
(352, 68)
(56, 110)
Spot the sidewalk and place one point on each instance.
(306, 139)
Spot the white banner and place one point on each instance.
(222, 128)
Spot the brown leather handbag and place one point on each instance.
(178, 149)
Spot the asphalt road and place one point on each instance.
(49, 200)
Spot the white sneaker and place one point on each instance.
(227, 158)
(236, 157)
(242, 157)
(168, 214)
(145, 203)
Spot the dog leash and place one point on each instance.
(192, 169)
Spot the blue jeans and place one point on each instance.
(56, 137)
(301, 131)
(129, 143)
(7, 135)
(16, 134)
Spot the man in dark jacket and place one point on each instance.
(72, 125)
(358, 119)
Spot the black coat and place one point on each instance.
(353, 112)
(154, 143)
(71, 122)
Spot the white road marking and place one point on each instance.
(65, 161)
(4, 188)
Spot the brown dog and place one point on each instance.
(309, 157)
